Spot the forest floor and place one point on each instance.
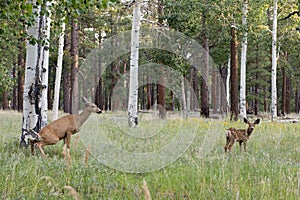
(270, 169)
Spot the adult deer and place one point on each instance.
(239, 135)
(62, 128)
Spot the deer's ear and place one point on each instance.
(257, 121)
(246, 120)
(85, 100)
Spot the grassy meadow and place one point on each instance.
(270, 169)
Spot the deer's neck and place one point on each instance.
(82, 117)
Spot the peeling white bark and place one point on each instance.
(243, 62)
(134, 61)
(36, 77)
(274, 62)
(58, 72)
(228, 86)
(44, 65)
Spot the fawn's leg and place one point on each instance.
(245, 146)
(231, 144)
(240, 143)
(227, 143)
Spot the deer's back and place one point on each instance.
(61, 126)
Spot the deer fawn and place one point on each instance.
(241, 135)
(62, 128)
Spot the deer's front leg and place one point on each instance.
(65, 147)
(67, 140)
(32, 147)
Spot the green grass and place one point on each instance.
(268, 170)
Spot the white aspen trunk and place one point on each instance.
(30, 117)
(188, 100)
(184, 110)
(228, 86)
(274, 63)
(243, 62)
(134, 61)
(36, 76)
(44, 66)
(58, 72)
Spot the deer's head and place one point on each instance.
(91, 106)
(251, 125)
(28, 135)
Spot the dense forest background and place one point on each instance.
(217, 25)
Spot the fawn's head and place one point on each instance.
(251, 125)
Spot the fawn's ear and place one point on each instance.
(246, 120)
(257, 121)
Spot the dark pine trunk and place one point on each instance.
(21, 67)
(204, 70)
(5, 105)
(223, 103)
(234, 76)
(283, 105)
(74, 69)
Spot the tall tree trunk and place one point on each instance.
(204, 70)
(134, 63)
(14, 94)
(256, 93)
(223, 86)
(274, 62)
(184, 105)
(171, 105)
(214, 91)
(288, 95)
(194, 84)
(149, 94)
(58, 71)
(67, 77)
(234, 76)
(284, 89)
(161, 95)
(44, 63)
(99, 88)
(161, 90)
(243, 61)
(67, 90)
(256, 87)
(21, 67)
(297, 100)
(35, 91)
(5, 105)
(74, 68)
